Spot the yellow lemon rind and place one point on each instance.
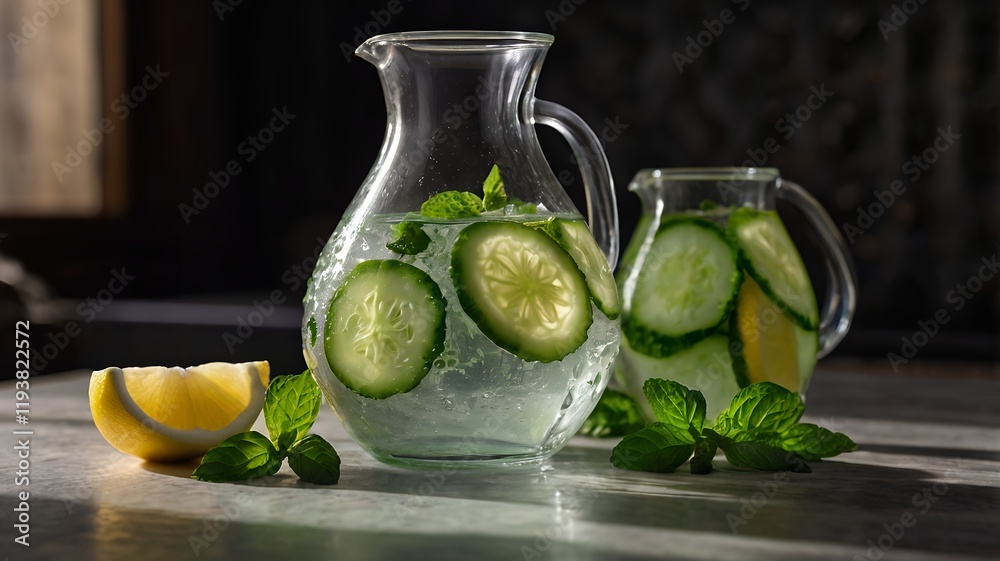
(130, 430)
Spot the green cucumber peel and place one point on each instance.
(784, 298)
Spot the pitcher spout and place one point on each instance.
(374, 50)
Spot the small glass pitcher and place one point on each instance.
(462, 313)
(714, 292)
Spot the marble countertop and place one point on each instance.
(924, 484)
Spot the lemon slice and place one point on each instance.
(770, 344)
(170, 414)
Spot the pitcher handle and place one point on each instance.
(842, 283)
(598, 185)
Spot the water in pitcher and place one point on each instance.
(511, 383)
(716, 298)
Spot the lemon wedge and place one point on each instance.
(770, 344)
(165, 414)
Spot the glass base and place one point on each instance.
(452, 455)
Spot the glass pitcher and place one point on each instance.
(714, 292)
(462, 312)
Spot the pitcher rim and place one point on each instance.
(731, 173)
(469, 40)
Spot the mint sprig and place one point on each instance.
(658, 448)
(247, 455)
(408, 237)
(813, 442)
(675, 405)
(704, 453)
(452, 204)
(762, 456)
(494, 194)
(314, 460)
(760, 429)
(763, 406)
(290, 409)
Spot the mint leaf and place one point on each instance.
(312, 331)
(243, 456)
(704, 453)
(290, 408)
(314, 460)
(763, 456)
(758, 430)
(657, 448)
(408, 238)
(764, 406)
(452, 204)
(616, 414)
(521, 207)
(675, 405)
(494, 195)
(813, 442)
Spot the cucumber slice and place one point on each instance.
(771, 258)
(773, 347)
(385, 327)
(522, 289)
(706, 366)
(686, 288)
(576, 239)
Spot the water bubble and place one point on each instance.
(568, 401)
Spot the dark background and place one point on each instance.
(611, 62)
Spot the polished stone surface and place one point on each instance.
(929, 456)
